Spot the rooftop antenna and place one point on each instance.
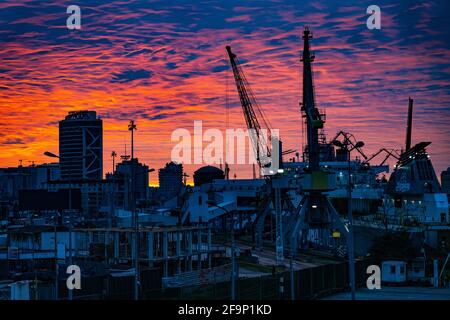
(113, 156)
(125, 156)
(185, 175)
(132, 127)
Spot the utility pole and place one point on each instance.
(233, 260)
(234, 265)
(351, 253)
(279, 243)
(291, 269)
(348, 146)
(56, 256)
(70, 233)
(113, 156)
(132, 127)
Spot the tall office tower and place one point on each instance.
(81, 146)
(124, 171)
(170, 179)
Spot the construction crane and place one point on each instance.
(254, 115)
(389, 153)
(262, 143)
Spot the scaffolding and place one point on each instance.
(175, 249)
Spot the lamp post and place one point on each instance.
(52, 155)
(234, 269)
(349, 147)
(55, 218)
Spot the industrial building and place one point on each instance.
(15, 179)
(135, 176)
(170, 179)
(207, 174)
(186, 235)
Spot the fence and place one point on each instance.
(309, 284)
(198, 277)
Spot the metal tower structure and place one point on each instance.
(314, 211)
(263, 144)
(261, 141)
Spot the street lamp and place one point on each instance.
(51, 155)
(55, 218)
(70, 296)
(233, 249)
(351, 253)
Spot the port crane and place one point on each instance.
(263, 144)
(257, 123)
(315, 210)
(261, 141)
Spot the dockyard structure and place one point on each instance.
(323, 201)
(413, 186)
(172, 249)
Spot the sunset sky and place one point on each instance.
(164, 64)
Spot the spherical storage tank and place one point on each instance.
(207, 174)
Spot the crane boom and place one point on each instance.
(260, 140)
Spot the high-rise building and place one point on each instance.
(81, 146)
(170, 179)
(445, 181)
(135, 180)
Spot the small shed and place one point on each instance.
(416, 270)
(393, 271)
